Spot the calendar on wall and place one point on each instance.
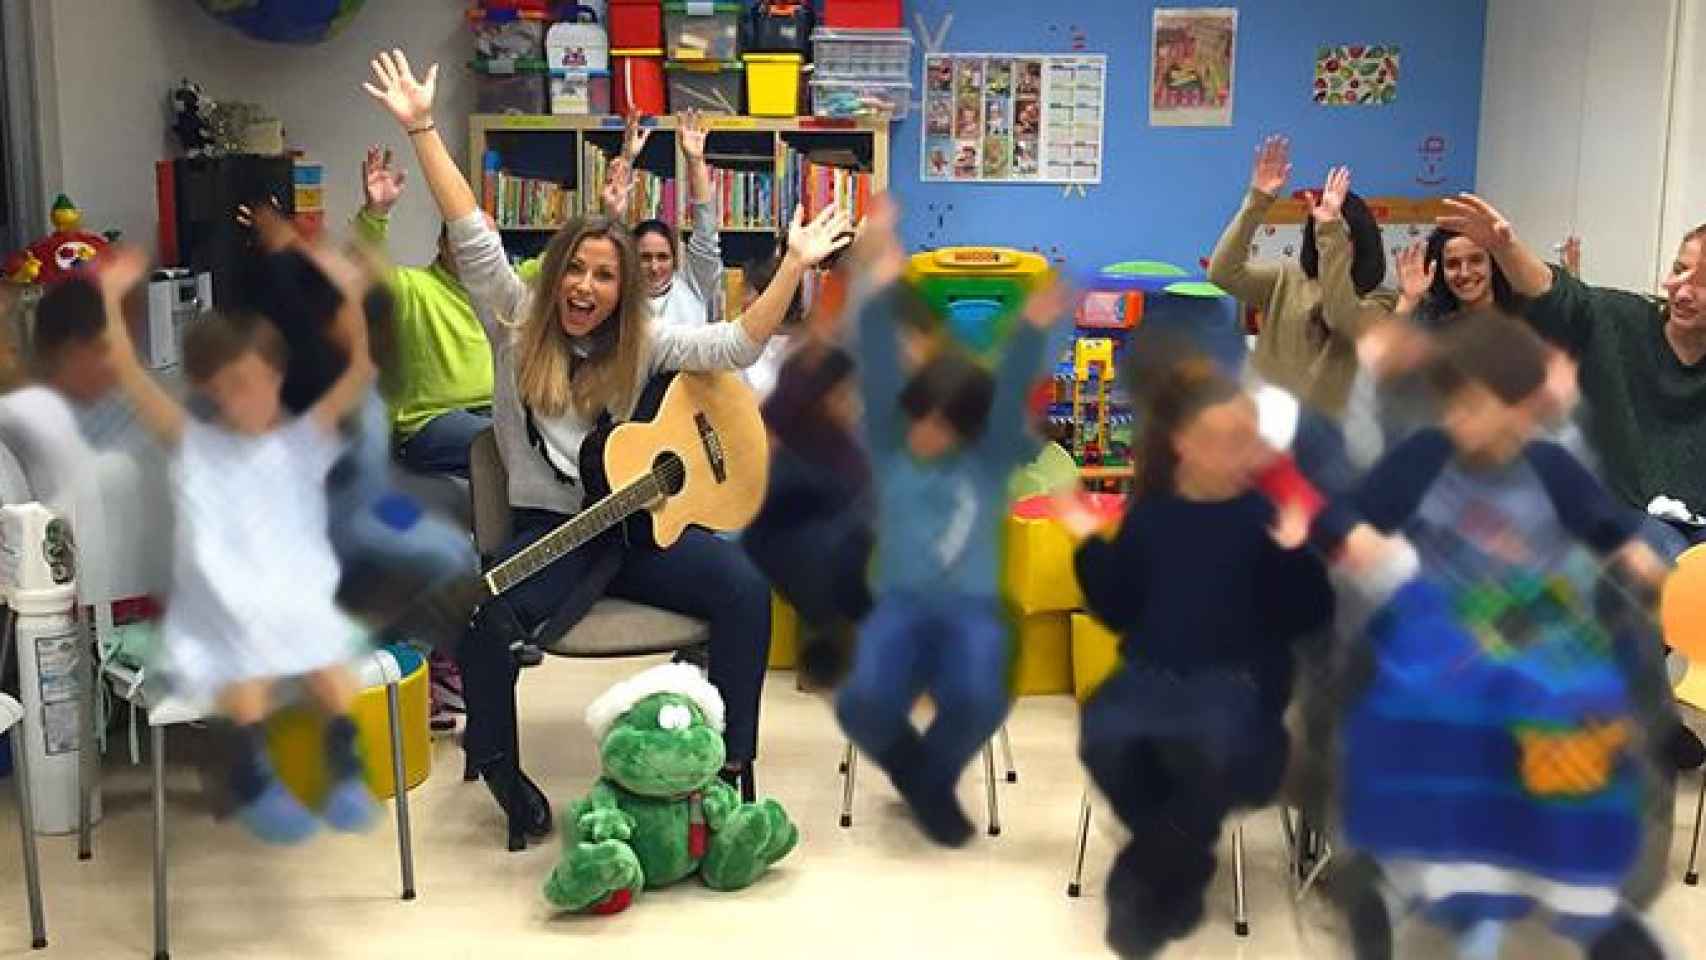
(1013, 118)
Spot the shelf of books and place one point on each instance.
(537, 172)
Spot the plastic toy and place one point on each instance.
(977, 290)
(660, 813)
(61, 253)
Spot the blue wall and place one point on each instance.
(1167, 193)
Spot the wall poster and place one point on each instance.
(1192, 54)
(1013, 118)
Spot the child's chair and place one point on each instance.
(1691, 692)
(12, 716)
(1095, 656)
(850, 768)
(162, 712)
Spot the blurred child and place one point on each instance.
(1507, 747)
(942, 447)
(763, 375)
(254, 577)
(1208, 587)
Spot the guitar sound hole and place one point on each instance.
(671, 473)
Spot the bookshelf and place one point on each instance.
(768, 158)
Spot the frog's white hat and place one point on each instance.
(682, 679)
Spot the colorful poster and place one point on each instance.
(1356, 76)
(1192, 54)
(1013, 118)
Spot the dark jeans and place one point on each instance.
(701, 577)
(440, 448)
(1670, 540)
(954, 647)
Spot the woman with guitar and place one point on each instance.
(576, 351)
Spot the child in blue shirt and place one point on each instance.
(942, 445)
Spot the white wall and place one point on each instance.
(110, 87)
(1685, 178)
(1574, 124)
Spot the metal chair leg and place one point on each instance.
(405, 837)
(27, 826)
(157, 746)
(1075, 886)
(989, 784)
(1240, 909)
(89, 766)
(850, 767)
(1007, 755)
(1692, 877)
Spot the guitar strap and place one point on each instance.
(536, 439)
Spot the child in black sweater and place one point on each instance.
(1208, 587)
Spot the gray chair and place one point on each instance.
(12, 717)
(613, 628)
(1240, 904)
(850, 772)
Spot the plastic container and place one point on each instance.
(578, 45)
(863, 54)
(505, 35)
(773, 84)
(863, 14)
(712, 87)
(699, 30)
(860, 99)
(521, 91)
(635, 24)
(779, 26)
(637, 81)
(580, 92)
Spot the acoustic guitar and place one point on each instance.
(695, 453)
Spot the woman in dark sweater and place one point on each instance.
(1208, 587)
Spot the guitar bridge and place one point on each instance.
(713, 447)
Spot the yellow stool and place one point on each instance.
(296, 734)
(1095, 655)
(784, 634)
(1044, 656)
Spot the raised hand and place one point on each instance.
(382, 182)
(1415, 276)
(408, 99)
(1046, 305)
(693, 131)
(618, 189)
(877, 250)
(1273, 166)
(119, 270)
(1573, 255)
(1476, 219)
(813, 242)
(634, 137)
(1332, 200)
(273, 230)
(1291, 526)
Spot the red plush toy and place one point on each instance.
(60, 254)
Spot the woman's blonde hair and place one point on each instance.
(549, 377)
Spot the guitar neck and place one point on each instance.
(573, 534)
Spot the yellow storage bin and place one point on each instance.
(1044, 656)
(296, 738)
(1095, 655)
(1039, 577)
(784, 634)
(310, 199)
(773, 84)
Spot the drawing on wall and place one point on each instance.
(1192, 54)
(1013, 118)
(1433, 162)
(1356, 75)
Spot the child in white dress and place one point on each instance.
(254, 577)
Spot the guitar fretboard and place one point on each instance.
(574, 533)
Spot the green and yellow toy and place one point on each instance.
(660, 813)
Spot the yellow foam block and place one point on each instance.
(296, 738)
(1044, 656)
(784, 634)
(1095, 655)
(1039, 577)
(310, 199)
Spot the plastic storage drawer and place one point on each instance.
(635, 24)
(702, 31)
(860, 99)
(781, 26)
(637, 81)
(773, 84)
(577, 93)
(863, 55)
(863, 14)
(499, 36)
(520, 92)
(707, 87)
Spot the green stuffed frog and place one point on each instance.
(660, 813)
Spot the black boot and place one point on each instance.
(526, 810)
(741, 778)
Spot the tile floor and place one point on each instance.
(876, 890)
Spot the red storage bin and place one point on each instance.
(635, 24)
(638, 80)
(863, 14)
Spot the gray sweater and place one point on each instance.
(497, 292)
